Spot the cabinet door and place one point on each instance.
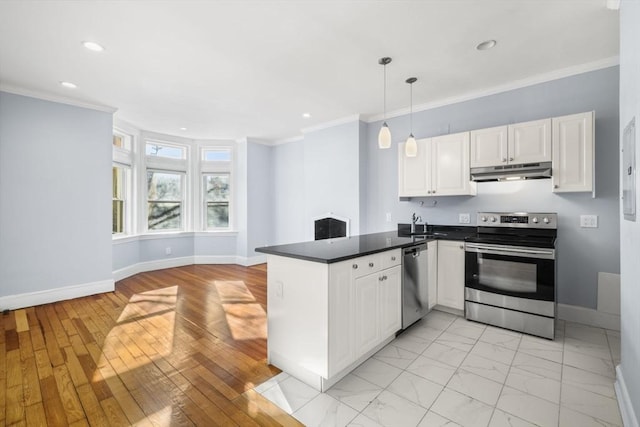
(573, 146)
(488, 147)
(341, 351)
(390, 294)
(451, 274)
(414, 177)
(451, 165)
(432, 275)
(530, 142)
(367, 333)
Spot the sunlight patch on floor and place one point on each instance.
(144, 332)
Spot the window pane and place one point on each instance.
(217, 214)
(164, 186)
(118, 141)
(217, 188)
(118, 216)
(218, 155)
(159, 150)
(122, 141)
(118, 182)
(164, 215)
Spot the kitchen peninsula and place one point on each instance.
(331, 304)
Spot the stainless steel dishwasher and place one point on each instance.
(415, 285)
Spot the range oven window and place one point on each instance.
(511, 275)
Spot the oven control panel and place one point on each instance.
(518, 219)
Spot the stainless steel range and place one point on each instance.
(510, 272)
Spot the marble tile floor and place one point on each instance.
(447, 371)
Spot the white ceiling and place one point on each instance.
(234, 69)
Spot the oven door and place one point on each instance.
(513, 271)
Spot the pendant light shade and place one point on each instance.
(384, 136)
(411, 147)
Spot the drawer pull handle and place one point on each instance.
(370, 264)
(354, 266)
(380, 279)
(393, 258)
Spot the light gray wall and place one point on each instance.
(260, 196)
(332, 174)
(289, 221)
(55, 186)
(582, 253)
(630, 231)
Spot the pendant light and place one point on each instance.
(384, 136)
(411, 147)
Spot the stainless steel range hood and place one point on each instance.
(512, 172)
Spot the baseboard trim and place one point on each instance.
(30, 299)
(629, 418)
(249, 261)
(588, 316)
(161, 264)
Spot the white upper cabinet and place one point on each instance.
(488, 146)
(450, 165)
(573, 153)
(528, 142)
(414, 177)
(441, 168)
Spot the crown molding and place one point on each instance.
(16, 90)
(332, 123)
(516, 84)
(297, 138)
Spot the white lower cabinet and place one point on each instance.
(390, 302)
(365, 306)
(451, 274)
(432, 274)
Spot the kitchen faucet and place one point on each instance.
(414, 220)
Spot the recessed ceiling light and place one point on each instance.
(93, 46)
(68, 85)
(183, 128)
(306, 115)
(486, 45)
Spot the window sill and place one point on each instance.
(120, 239)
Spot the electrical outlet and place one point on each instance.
(589, 221)
(388, 216)
(167, 250)
(279, 289)
(464, 218)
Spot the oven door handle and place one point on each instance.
(511, 251)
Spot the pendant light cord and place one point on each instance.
(411, 108)
(384, 96)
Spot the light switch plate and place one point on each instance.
(589, 221)
(388, 216)
(464, 218)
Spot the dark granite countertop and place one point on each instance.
(335, 250)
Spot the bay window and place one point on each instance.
(122, 183)
(216, 194)
(167, 177)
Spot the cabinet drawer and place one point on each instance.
(391, 258)
(366, 265)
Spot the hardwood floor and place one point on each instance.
(181, 346)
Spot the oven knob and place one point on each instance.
(535, 220)
(483, 219)
(493, 219)
(545, 220)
